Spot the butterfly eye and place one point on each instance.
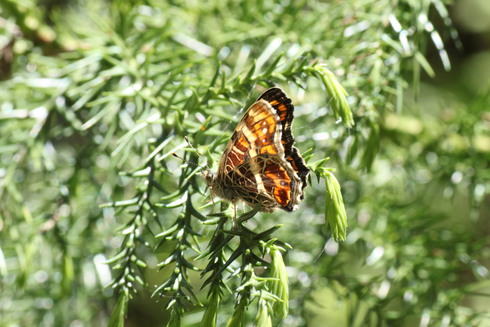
(208, 176)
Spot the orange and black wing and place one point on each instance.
(254, 165)
(258, 132)
(285, 110)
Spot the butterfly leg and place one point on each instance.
(212, 207)
(235, 222)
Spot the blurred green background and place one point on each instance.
(95, 94)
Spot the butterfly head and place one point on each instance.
(209, 177)
(217, 188)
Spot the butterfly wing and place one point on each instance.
(254, 167)
(285, 110)
(257, 132)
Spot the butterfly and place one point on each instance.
(260, 165)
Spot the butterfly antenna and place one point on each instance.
(184, 160)
(191, 146)
(187, 161)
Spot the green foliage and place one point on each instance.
(96, 214)
(335, 215)
(117, 317)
